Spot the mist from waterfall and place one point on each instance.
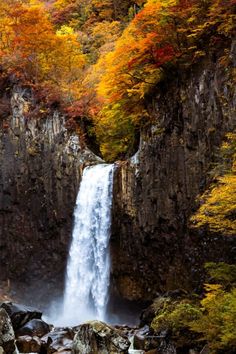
(88, 268)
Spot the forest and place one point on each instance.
(99, 60)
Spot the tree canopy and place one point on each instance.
(102, 58)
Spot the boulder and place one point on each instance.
(35, 327)
(7, 336)
(20, 314)
(28, 344)
(144, 339)
(60, 340)
(139, 342)
(99, 338)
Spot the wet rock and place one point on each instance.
(143, 331)
(142, 339)
(146, 343)
(139, 342)
(35, 327)
(20, 314)
(7, 336)
(59, 340)
(28, 344)
(99, 338)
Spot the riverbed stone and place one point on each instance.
(59, 340)
(99, 338)
(28, 344)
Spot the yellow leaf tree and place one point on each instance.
(218, 209)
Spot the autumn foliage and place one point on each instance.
(218, 207)
(97, 61)
(209, 319)
(100, 59)
(34, 51)
(161, 36)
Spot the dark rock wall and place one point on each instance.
(153, 248)
(41, 166)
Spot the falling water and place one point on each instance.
(88, 268)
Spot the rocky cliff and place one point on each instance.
(153, 248)
(41, 166)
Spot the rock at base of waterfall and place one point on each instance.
(145, 343)
(33, 328)
(7, 336)
(99, 338)
(20, 314)
(28, 344)
(144, 340)
(59, 340)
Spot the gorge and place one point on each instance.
(42, 162)
(152, 248)
(117, 125)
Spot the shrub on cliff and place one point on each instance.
(211, 320)
(174, 317)
(217, 322)
(218, 208)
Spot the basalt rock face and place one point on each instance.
(153, 248)
(41, 165)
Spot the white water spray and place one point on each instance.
(88, 268)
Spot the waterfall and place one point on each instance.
(88, 268)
